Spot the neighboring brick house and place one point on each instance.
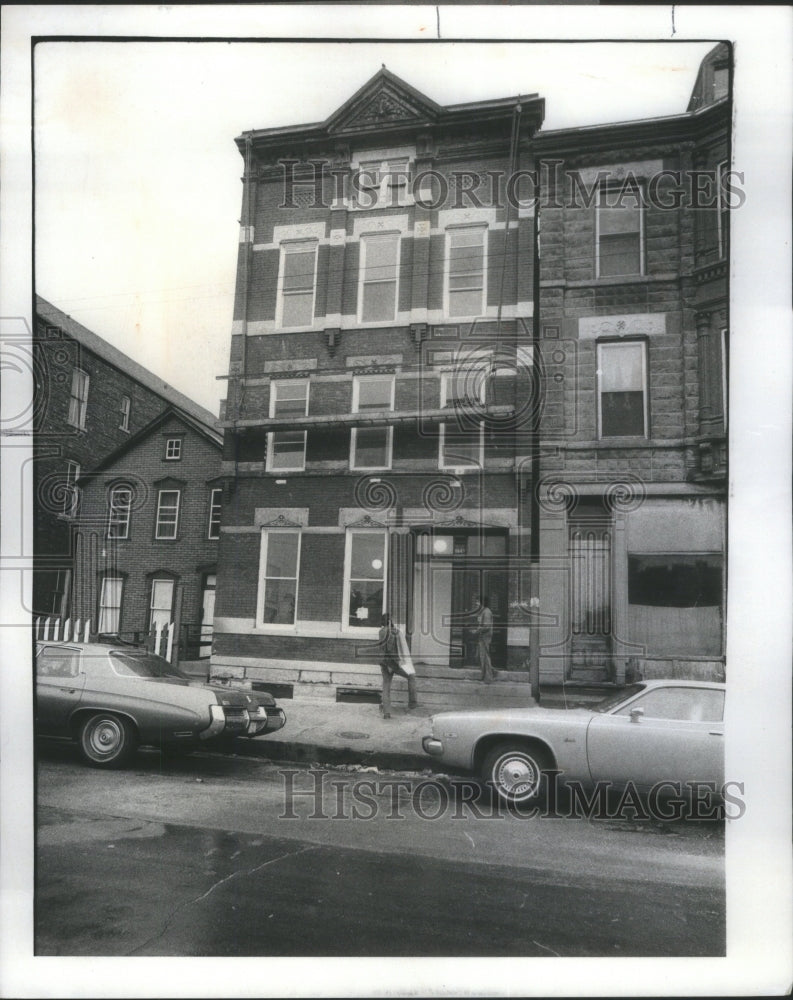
(377, 358)
(90, 399)
(147, 535)
(633, 317)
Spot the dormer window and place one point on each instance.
(382, 178)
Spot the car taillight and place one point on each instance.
(218, 723)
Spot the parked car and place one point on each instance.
(646, 733)
(112, 699)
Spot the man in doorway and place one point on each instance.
(485, 634)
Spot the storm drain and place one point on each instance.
(283, 691)
(359, 695)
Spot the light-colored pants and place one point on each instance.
(484, 660)
(387, 676)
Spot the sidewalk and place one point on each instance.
(323, 731)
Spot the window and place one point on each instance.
(120, 511)
(377, 294)
(622, 389)
(462, 440)
(71, 494)
(681, 704)
(110, 605)
(675, 603)
(466, 271)
(364, 578)
(173, 449)
(214, 513)
(725, 375)
(296, 283)
(723, 210)
(167, 513)
(286, 450)
(78, 399)
(370, 447)
(126, 409)
(161, 604)
(280, 561)
(620, 230)
(675, 581)
(383, 182)
(58, 661)
(721, 82)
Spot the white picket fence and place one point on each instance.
(58, 630)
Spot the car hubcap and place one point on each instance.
(105, 737)
(517, 777)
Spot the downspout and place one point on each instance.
(247, 222)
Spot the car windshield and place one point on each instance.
(618, 698)
(130, 664)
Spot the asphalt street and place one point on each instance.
(212, 855)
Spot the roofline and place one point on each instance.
(684, 121)
(118, 359)
(211, 435)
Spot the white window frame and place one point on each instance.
(215, 511)
(126, 410)
(117, 522)
(603, 188)
(362, 630)
(78, 398)
(610, 344)
(105, 608)
(446, 376)
(450, 232)
(287, 247)
(365, 237)
(356, 382)
(262, 582)
(270, 436)
(159, 524)
(71, 495)
(385, 164)
(173, 449)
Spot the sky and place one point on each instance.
(137, 177)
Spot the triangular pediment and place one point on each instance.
(385, 100)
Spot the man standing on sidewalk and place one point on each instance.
(485, 634)
(391, 663)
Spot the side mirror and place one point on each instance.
(636, 714)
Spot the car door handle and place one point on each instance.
(715, 732)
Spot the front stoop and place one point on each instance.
(440, 688)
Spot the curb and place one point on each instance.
(313, 753)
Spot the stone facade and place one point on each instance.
(339, 291)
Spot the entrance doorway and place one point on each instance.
(452, 571)
(207, 615)
(590, 594)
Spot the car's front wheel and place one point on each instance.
(515, 772)
(107, 740)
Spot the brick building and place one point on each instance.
(379, 447)
(371, 453)
(633, 327)
(90, 400)
(147, 535)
